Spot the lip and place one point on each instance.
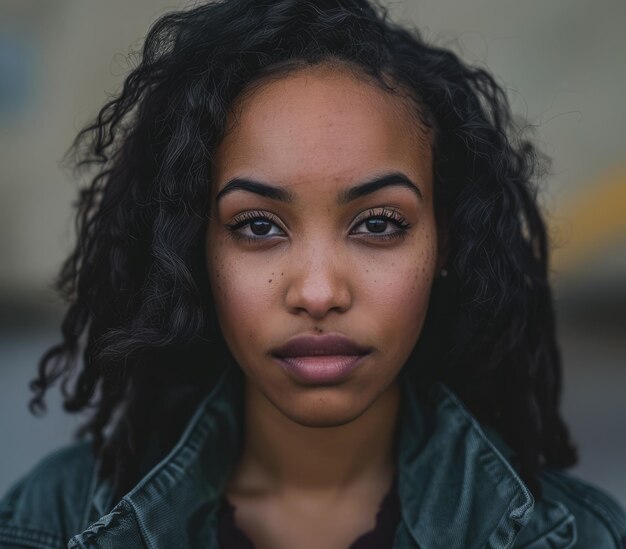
(322, 359)
(322, 345)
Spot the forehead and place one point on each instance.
(319, 125)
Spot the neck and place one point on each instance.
(280, 455)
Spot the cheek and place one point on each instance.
(242, 291)
(398, 291)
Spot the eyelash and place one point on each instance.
(388, 214)
(246, 218)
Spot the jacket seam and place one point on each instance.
(599, 510)
(546, 533)
(31, 536)
(142, 529)
(11, 499)
(589, 493)
(94, 530)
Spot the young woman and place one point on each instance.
(308, 304)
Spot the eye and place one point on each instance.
(382, 223)
(254, 225)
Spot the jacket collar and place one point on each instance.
(453, 482)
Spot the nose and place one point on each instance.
(319, 283)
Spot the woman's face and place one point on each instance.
(322, 224)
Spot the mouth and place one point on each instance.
(315, 360)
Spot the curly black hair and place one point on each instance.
(140, 341)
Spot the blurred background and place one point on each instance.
(563, 64)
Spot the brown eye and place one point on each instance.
(260, 227)
(376, 225)
(382, 224)
(256, 226)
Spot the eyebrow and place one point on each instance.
(281, 194)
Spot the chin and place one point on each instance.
(320, 410)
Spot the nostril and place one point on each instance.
(318, 297)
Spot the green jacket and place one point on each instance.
(456, 486)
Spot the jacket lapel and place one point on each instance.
(456, 488)
(176, 503)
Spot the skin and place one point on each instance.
(318, 459)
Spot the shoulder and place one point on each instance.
(570, 512)
(600, 520)
(573, 513)
(47, 505)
